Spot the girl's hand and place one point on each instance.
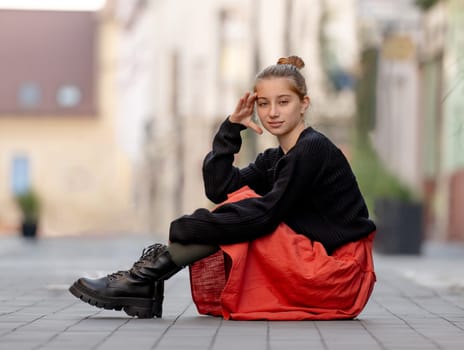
(243, 113)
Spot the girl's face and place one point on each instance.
(279, 108)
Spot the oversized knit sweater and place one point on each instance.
(311, 188)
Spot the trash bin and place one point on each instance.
(399, 226)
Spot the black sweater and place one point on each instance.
(311, 188)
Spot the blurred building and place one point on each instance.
(108, 115)
(57, 125)
(393, 27)
(418, 126)
(183, 65)
(442, 109)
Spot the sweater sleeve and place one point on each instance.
(251, 218)
(220, 177)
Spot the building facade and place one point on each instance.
(442, 109)
(145, 86)
(57, 125)
(419, 116)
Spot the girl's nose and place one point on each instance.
(274, 110)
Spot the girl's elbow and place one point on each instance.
(215, 196)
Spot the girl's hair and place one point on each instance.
(286, 67)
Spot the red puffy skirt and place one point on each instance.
(283, 276)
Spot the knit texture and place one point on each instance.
(311, 188)
(283, 276)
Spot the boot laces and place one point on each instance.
(147, 254)
(116, 275)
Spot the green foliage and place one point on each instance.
(364, 121)
(375, 180)
(29, 204)
(425, 4)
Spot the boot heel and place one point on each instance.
(150, 308)
(137, 311)
(158, 297)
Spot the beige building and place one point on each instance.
(57, 125)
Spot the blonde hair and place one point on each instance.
(286, 67)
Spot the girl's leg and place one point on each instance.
(139, 291)
(186, 254)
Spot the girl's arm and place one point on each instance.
(254, 217)
(220, 176)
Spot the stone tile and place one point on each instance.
(37, 311)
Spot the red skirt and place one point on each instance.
(283, 276)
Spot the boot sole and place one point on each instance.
(136, 307)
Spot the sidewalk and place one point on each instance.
(418, 303)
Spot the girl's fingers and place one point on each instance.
(239, 106)
(255, 127)
(250, 102)
(244, 108)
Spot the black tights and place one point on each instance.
(186, 254)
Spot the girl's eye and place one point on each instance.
(262, 104)
(283, 102)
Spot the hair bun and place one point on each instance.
(292, 60)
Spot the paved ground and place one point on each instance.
(418, 303)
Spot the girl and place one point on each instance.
(290, 237)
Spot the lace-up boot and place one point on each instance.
(139, 291)
(157, 265)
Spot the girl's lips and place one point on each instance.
(275, 124)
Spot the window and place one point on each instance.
(68, 96)
(20, 181)
(29, 95)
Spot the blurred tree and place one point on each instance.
(391, 203)
(29, 205)
(425, 4)
(374, 178)
(366, 97)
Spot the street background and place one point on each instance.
(107, 109)
(418, 303)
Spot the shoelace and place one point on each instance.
(117, 274)
(147, 253)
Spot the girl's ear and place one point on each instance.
(305, 104)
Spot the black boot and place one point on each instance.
(139, 291)
(121, 291)
(160, 267)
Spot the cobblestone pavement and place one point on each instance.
(418, 303)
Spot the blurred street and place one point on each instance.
(418, 303)
(108, 108)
